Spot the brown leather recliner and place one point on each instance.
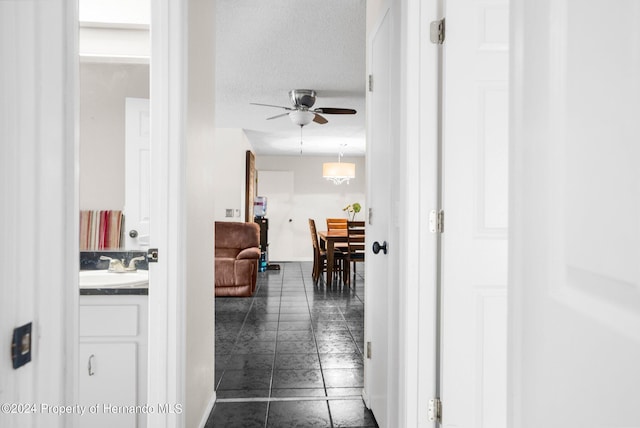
(237, 253)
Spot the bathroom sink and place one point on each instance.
(106, 279)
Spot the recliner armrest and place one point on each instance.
(249, 253)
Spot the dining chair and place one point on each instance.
(336, 223)
(355, 250)
(320, 254)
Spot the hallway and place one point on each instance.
(291, 355)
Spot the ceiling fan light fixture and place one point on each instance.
(339, 172)
(301, 117)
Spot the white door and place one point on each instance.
(575, 258)
(136, 209)
(475, 204)
(277, 186)
(381, 296)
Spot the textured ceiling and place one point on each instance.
(265, 48)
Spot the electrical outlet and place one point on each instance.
(21, 346)
(229, 212)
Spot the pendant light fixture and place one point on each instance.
(339, 172)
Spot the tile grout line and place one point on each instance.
(277, 399)
(275, 351)
(315, 340)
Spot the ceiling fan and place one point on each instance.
(302, 112)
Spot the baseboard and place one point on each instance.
(294, 259)
(207, 411)
(365, 398)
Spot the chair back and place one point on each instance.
(232, 237)
(355, 239)
(336, 223)
(314, 235)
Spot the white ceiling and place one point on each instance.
(265, 48)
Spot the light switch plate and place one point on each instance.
(21, 346)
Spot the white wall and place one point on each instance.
(103, 89)
(201, 189)
(315, 197)
(228, 169)
(38, 213)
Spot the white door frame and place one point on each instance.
(167, 228)
(420, 132)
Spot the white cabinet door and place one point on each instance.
(575, 254)
(108, 377)
(113, 358)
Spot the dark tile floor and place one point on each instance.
(291, 355)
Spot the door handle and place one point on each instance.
(133, 233)
(377, 247)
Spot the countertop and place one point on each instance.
(141, 291)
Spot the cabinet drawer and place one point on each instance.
(109, 320)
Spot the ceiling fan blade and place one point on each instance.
(277, 116)
(319, 119)
(331, 110)
(271, 105)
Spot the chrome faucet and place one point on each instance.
(132, 263)
(115, 265)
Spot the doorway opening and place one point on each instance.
(297, 316)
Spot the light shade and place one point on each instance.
(301, 117)
(338, 172)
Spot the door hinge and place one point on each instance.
(436, 221)
(437, 32)
(435, 410)
(371, 83)
(369, 350)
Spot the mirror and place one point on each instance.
(114, 66)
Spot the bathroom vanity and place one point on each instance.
(113, 327)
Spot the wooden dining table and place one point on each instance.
(330, 239)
